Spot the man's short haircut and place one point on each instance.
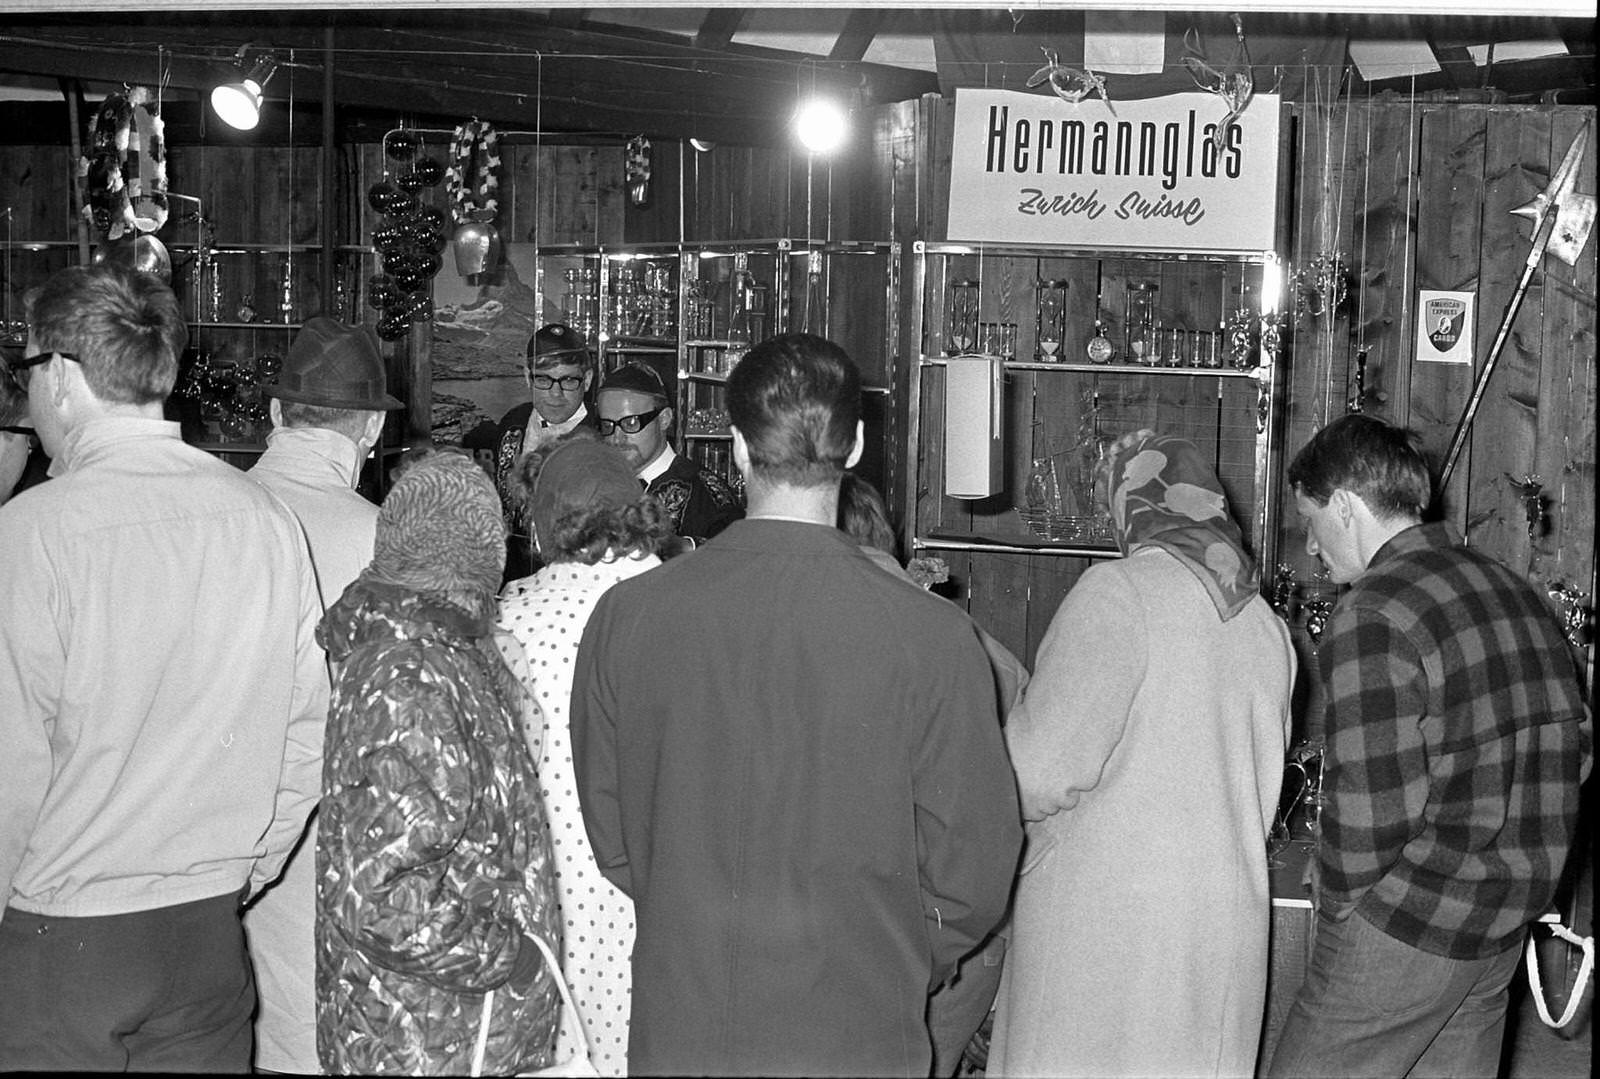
(1368, 457)
(350, 422)
(124, 326)
(796, 398)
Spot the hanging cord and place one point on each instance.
(1575, 994)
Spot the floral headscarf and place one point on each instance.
(1164, 494)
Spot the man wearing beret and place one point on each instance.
(162, 702)
(635, 416)
(559, 374)
(327, 411)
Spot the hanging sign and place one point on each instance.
(1155, 175)
(1444, 327)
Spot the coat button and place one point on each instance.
(43, 930)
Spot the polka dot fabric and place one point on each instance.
(545, 615)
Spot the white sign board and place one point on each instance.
(1035, 169)
(1444, 326)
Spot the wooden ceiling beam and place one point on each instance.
(860, 27)
(718, 27)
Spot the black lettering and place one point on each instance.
(997, 138)
(1147, 149)
(1188, 161)
(1235, 150)
(1124, 148)
(1102, 147)
(1047, 140)
(1072, 148)
(1169, 157)
(1019, 155)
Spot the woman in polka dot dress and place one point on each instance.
(593, 526)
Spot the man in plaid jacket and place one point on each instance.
(1457, 739)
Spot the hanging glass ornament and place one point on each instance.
(427, 170)
(268, 366)
(418, 306)
(388, 238)
(393, 327)
(379, 194)
(402, 145)
(381, 291)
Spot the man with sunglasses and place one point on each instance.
(635, 415)
(559, 375)
(162, 700)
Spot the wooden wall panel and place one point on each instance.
(1505, 433)
(1563, 554)
(1449, 246)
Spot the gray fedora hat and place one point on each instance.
(333, 365)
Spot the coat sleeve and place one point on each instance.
(300, 775)
(1075, 710)
(32, 671)
(592, 718)
(968, 831)
(404, 803)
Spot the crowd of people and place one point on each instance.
(301, 783)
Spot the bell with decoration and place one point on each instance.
(476, 245)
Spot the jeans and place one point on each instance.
(1373, 1006)
(157, 990)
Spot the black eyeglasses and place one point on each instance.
(630, 424)
(568, 383)
(41, 357)
(16, 368)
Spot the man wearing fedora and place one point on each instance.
(327, 411)
(162, 701)
(559, 372)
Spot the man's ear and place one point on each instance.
(1342, 502)
(374, 430)
(741, 451)
(859, 447)
(275, 411)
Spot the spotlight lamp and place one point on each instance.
(238, 103)
(821, 124)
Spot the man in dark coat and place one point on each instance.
(635, 416)
(792, 763)
(560, 372)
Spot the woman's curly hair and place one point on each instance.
(586, 535)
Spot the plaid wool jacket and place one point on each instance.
(1457, 739)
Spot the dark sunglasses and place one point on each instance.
(568, 383)
(630, 424)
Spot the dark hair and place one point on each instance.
(1368, 457)
(350, 422)
(796, 398)
(124, 326)
(641, 527)
(863, 516)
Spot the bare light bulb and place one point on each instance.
(820, 125)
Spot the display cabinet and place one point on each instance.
(692, 311)
(734, 295)
(1030, 361)
(242, 303)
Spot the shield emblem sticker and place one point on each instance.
(1444, 317)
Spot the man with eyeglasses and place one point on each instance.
(635, 415)
(559, 375)
(162, 700)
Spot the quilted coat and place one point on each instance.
(433, 863)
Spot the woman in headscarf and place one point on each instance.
(1149, 752)
(592, 526)
(433, 862)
